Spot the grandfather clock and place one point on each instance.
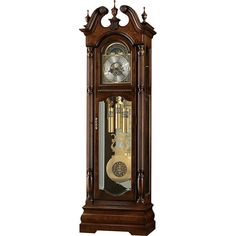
(118, 124)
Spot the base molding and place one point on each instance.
(136, 221)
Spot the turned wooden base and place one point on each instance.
(136, 221)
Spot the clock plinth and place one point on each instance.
(135, 220)
(118, 124)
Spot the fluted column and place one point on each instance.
(141, 123)
(90, 124)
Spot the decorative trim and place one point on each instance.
(144, 15)
(141, 50)
(90, 51)
(114, 90)
(114, 20)
(140, 185)
(140, 27)
(95, 19)
(141, 89)
(87, 18)
(89, 90)
(103, 10)
(96, 123)
(114, 23)
(90, 185)
(132, 16)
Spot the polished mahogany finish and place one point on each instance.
(131, 211)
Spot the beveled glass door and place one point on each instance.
(115, 145)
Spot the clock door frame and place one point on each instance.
(102, 194)
(102, 92)
(103, 44)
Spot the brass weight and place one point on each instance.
(125, 115)
(110, 117)
(118, 113)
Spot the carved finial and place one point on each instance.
(114, 10)
(87, 17)
(114, 21)
(144, 15)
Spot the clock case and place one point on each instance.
(131, 211)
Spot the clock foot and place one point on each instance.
(145, 230)
(86, 228)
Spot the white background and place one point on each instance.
(42, 116)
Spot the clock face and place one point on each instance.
(116, 69)
(116, 64)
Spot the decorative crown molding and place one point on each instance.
(95, 19)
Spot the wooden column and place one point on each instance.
(90, 124)
(141, 123)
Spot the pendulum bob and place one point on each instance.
(118, 167)
(110, 119)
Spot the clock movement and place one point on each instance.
(118, 123)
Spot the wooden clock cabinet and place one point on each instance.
(118, 124)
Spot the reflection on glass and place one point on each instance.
(115, 124)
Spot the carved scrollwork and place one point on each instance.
(141, 50)
(114, 23)
(141, 89)
(90, 51)
(94, 19)
(90, 90)
(103, 10)
(132, 16)
(124, 8)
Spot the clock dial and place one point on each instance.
(116, 64)
(116, 69)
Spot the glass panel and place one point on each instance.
(115, 132)
(116, 64)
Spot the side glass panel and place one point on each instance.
(115, 132)
(116, 64)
